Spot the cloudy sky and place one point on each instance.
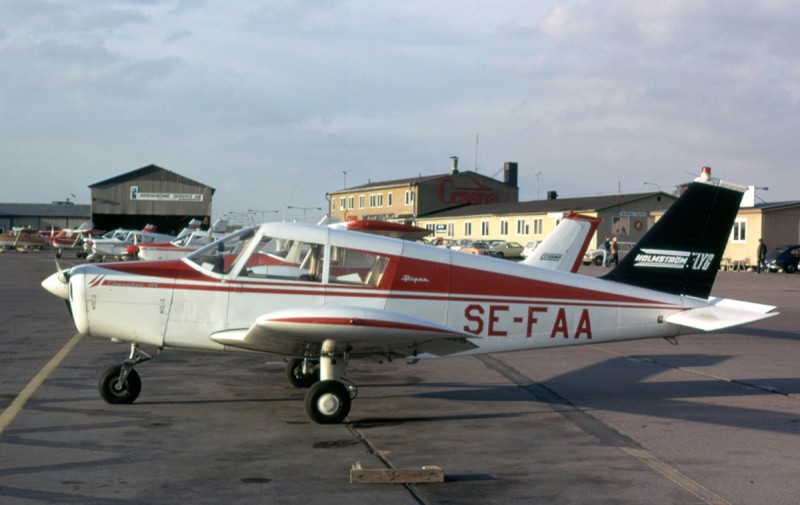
(271, 102)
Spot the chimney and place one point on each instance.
(510, 173)
(552, 195)
(453, 165)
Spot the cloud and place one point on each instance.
(256, 96)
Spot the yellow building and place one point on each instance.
(625, 216)
(406, 200)
(777, 224)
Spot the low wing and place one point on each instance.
(563, 249)
(362, 331)
(722, 313)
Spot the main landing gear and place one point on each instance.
(328, 398)
(120, 383)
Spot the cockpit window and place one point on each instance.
(289, 260)
(285, 259)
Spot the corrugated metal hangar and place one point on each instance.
(150, 195)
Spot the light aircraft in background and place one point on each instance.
(115, 243)
(189, 239)
(324, 295)
(73, 238)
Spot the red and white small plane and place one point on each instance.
(323, 295)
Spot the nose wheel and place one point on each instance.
(120, 384)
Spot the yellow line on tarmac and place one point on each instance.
(677, 477)
(8, 415)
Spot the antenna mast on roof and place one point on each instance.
(476, 152)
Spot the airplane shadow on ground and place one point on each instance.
(629, 385)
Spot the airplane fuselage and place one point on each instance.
(506, 306)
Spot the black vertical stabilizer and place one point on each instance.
(682, 252)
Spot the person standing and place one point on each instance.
(761, 254)
(614, 252)
(606, 251)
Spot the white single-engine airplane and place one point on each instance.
(323, 295)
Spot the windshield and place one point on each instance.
(220, 256)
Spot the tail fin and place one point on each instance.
(682, 252)
(563, 249)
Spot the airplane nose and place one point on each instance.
(57, 285)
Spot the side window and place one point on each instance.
(351, 266)
(285, 260)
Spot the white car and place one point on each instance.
(596, 256)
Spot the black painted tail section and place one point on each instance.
(681, 253)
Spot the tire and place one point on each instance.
(294, 372)
(598, 261)
(790, 268)
(328, 402)
(500, 255)
(128, 393)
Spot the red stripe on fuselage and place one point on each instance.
(451, 283)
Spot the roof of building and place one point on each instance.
(579, 204)
(408, 181)
(769, 206)
(45, 209)
(144, 172)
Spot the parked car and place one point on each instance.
(475, 247)
(596, 255)
(529, 248)
(784, 257)
(503, 249)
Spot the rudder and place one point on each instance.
(681, 253)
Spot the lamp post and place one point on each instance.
(304, 209)
(652, 184)
(262, 212)
(537, 174)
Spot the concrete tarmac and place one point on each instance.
(713, 420)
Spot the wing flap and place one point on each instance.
(301, 331)
(722, 313)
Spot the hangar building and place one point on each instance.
(150, 195)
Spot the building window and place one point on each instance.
(451, 229)
(523, 227)
(379, 200)
(361, 201)
(468, 229)
(537, 226)
(410, 197)
(620, 225)
(371, 201)
(333, 203)
(389, 199)
(341, 203)
(350, 202)
(504, 228)
(484, 228)
(739, 232)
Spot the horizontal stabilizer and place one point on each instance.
(301, 331)
(722, 313)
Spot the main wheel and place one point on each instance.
(115, 393)
(328, 402)
(790, 268)
(294, 372)
(598, 261)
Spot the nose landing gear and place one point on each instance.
(120, 384)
